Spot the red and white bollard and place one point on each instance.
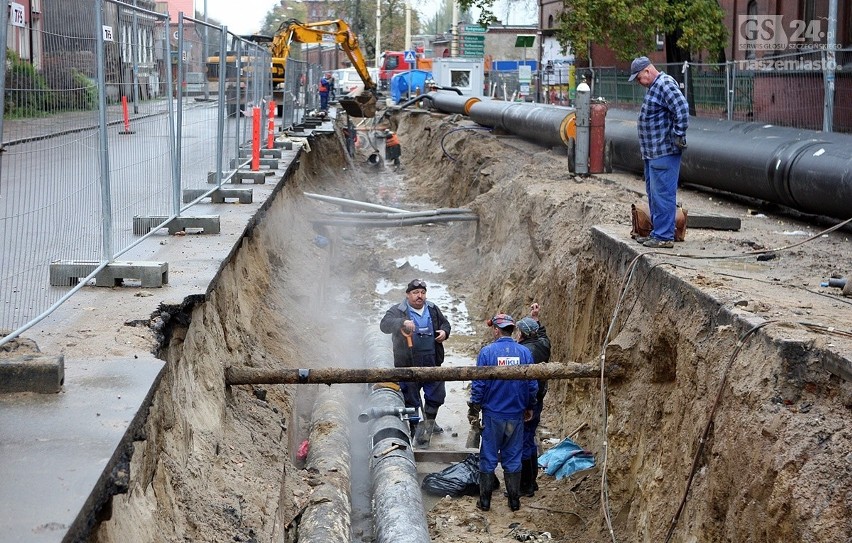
(270, 139)
(255, 139)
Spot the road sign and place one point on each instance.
(472, 39)
(409, 57)
(473, 29)
(524, 40)
(473, 49)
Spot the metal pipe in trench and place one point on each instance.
(343, 202)
(407, 214)
(398, 512)
(382, 223)
(805, 170)
(327, 518)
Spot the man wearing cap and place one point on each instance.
(418, 330)
(504, 406)
(324, 89)
(663, 120)
(533, 336)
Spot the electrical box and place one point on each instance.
(467, 75)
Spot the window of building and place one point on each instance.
(460, 79)
(550, 21)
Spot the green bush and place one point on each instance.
(27, 93)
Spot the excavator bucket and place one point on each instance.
(362, 105)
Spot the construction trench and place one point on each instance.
(723, 412)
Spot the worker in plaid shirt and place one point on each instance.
(663, 120)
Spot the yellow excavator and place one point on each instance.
(294, 31)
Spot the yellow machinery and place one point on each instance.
(293, 31)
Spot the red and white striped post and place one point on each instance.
(255, 139)
(270, 139)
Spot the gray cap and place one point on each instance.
(528, 326)
(637, 66)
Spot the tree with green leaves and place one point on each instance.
(630, 28)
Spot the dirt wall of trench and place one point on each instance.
(775, 466)
(211, 461)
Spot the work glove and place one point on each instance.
(473, 410)
(680, 142)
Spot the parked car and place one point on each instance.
(349, 82)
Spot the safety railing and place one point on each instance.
(787, 90)
(300, 94)
(110, 126)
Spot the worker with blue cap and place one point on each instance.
(504, 406)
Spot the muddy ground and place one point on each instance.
(775, 464)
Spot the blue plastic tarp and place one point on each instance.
(565, 458)
(402, 82)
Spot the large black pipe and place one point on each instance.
(398, 512)
(805, 170)
(552, 126)
(452, 103)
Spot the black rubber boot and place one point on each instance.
(527, 480)
(513, 489)
(423, 435)
(534, 472)
(486, 487)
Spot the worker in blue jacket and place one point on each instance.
(504, 406)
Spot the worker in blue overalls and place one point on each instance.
(504, 406)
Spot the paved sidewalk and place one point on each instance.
(65, 454)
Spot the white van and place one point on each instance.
(349, 82)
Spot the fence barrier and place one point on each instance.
(111, 130)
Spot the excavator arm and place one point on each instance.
(293, 31)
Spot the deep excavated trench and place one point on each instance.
(220, 463)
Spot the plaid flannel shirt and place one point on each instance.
(664, 115)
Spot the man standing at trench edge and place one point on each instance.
(418, 330)
(663, 120)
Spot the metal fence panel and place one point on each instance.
(140, 143)
(295, 82)
(787, 90)
(91, 96)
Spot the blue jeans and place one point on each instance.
(661, 176)
(503, 437)
(323, 101)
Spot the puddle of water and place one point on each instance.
(384, 286)
(422, 262)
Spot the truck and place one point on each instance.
(294, 31)
(393, 62)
